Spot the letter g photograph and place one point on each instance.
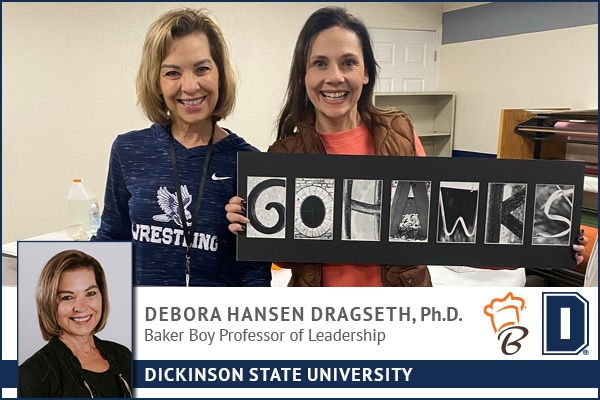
(75, 320)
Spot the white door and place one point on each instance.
(406, 58)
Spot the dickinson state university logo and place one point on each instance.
(505, 315)
(566, 323)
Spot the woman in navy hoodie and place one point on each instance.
(167, 183)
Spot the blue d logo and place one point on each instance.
(565, 323)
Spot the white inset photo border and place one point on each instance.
(116, 260)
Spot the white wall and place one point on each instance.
(68, 73)
(555, 68)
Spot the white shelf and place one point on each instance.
(432, 115)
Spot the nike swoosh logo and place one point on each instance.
(214, 177)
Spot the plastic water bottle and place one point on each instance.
(94, 218)
(79, 201)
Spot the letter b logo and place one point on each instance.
(565, 320)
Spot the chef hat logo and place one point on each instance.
(504, 312)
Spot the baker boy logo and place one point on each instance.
(566, 323)
(505, 315)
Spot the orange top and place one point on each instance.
(358, 141)
(354, 141)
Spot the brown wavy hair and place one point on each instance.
(47, 289)
(297, 107)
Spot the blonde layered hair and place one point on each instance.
(177, 24)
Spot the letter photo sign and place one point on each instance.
(410, 210)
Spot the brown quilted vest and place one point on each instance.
(394, 136)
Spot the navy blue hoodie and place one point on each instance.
(140, 205)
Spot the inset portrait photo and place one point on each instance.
(75, 322)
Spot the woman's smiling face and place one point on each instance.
(79, 302)
(335, 75)
(189, 80)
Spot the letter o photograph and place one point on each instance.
(75, 322)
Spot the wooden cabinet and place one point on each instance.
(432, 114)
(512, 145)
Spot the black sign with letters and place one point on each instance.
(410, 210)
